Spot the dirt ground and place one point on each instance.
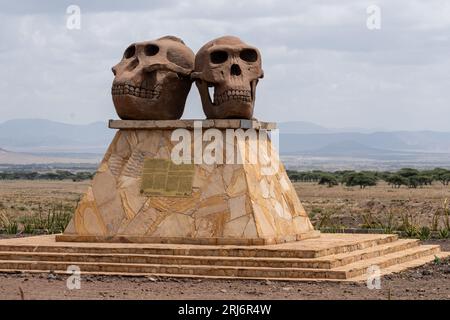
(431, 281)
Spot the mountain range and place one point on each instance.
(55, 140)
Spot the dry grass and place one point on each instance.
(35, 204)
(378, 206)
(373, 207)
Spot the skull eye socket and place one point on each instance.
(129, 52)
(218, 56)
(151, 49)
(249, 55)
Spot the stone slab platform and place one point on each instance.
(332, 257)
(181, 240)
(189, 124)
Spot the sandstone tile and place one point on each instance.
(237, 206)
(140, 224)
(175, 225)
(238, 184)
(104, 187)
(115, 164)
(211, 226)
(235, 228)
(149, 141)
(264, 226)
(212, 205)
(121, 146)
(302, 224)
(201, 177)
(214, 186)
(112, 214)
(130, 193)
(250, 230)
(91, 223)
(163, 153)
(70, 228)
(227, 173)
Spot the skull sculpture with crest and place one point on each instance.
(152, 80)
(231, 68)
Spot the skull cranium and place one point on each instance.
(232, 68)
(152, 80)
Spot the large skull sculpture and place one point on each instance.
(152, 80)
(232, 68)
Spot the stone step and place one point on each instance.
(326, 262)
(393, 269)
(302, 249)
(349, 271)
(405, 265)
(344, 259)
(198, 270)
(360, 268)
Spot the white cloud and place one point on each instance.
(321, 62)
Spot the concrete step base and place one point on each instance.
(332, 257)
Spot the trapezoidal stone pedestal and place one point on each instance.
(140, 195)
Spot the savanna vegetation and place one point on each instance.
(406, 177)
(52, 175)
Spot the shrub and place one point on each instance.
(9, 225)
(328, 179)
(361, 179)
(424, 233)
(444, 233)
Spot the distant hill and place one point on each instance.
(45, 135)
(426, 141)
(348, 148)
(45, 139)
(20, 158)
(302, 127)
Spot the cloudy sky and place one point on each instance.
(322, 64)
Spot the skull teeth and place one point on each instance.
(126, 89)
(241, 95)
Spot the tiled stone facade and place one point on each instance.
(229, 203)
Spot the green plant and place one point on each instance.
(409, 225)
(424, 233)
(9, 225)
(325, 219)
(390, 225)
(329, 180)
(435, 219)
(437, 260)
(444, 233)
(54, 220)
(446, 215)
(27, 224)
(369, 221)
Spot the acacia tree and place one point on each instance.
(396, 181)
(328, 179)
(361, 179)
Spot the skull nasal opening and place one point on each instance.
(235, 70)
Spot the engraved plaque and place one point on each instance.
(162, 177)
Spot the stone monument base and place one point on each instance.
(331, 257)
(231, 188)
